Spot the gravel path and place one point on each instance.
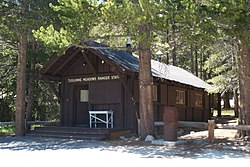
(33, 151)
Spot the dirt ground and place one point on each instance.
(194, 139)
(224, 138)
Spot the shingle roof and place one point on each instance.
(130, 62)
(177, 74)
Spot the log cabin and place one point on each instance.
(96, 79)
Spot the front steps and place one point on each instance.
(78, 133)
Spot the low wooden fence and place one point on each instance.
(210, 126)
(33, 123)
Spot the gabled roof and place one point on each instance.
(127, 61)
(130, 62)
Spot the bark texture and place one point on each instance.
(30, 94)
(146, 123)
(21, 77)
(244, 86)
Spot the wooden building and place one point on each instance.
(99, 78)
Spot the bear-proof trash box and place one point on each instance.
(170, 120)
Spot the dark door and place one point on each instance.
(81, 109)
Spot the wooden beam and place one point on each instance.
(65, 62)
(238, 127)
(130, 93)
(33, 123)
(55, 123)
(7, 123)
(50, 64)
(106, 59)
(187, 124)
(49, 77)
(210, 131)
(88, 61)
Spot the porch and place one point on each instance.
(78, 132)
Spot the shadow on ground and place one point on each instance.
(143, 151)
(37, 143)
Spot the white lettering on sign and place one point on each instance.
(103, 78)
(93, 78)
(89, 79)
(114, 77)
(75, 80)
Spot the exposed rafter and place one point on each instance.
(88, 61)
(52, 61)
(64, 63)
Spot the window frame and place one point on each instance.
(155, 93)
(198, 100)
(84, 95)
(182, 97)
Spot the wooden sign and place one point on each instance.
(93, 78)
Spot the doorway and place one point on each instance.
(81, 103)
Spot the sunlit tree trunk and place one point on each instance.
(244, 86)
(21, 76)
(146, 125)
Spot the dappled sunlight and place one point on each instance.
(115, 149)
(36, 143)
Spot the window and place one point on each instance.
(84, 95)
(198, 100)
(155, 93)
(180, 97)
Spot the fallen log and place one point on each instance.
(238, 127)
(187, 124)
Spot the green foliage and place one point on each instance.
(132, 16)
(54, 41)
(7, 129)
(39, 14)
(77, 19)
(45, 104)
(232, 17)
(7, 81)
(223, 66)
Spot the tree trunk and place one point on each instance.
(196, 61)
(167, 53)
(174, 55)
(236, 103)
(244, 85)
(30, 94)
(226, 101)
(146, 125)
(219, 104)
(21, 77)
(192, 59)
(201, 65)
(204, 71)
(174, 47)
